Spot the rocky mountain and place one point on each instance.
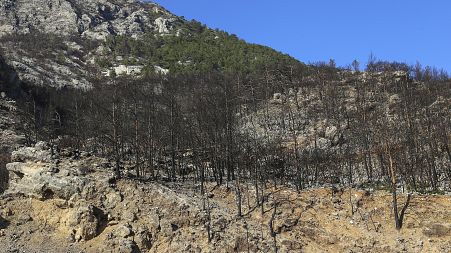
(69, 43)
(46, 42)
(88, 19)
(125, 128)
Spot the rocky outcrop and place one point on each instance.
(59, 70)
(124, 70)
(39, 153)
(34, 172)
(164, 25)
(55, 42)
(43, 181)
(91, 19)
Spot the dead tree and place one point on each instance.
(272, 232)
(399, 216)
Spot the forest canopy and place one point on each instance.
(197, 49)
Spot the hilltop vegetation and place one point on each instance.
(196, 48)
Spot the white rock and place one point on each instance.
(160, 70)
(163, 25)
(331, 132)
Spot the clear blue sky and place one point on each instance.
(401, 30)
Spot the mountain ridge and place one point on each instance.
(67, 43)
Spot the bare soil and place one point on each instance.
(316, 220)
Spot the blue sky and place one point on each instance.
(401, 30)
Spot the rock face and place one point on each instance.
(33, 172)
(22, 16)
(163, 25)
(72, 31)
(48, 71)
(93, 19)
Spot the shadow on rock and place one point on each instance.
(3, 223)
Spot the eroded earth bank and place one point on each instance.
(70, 202)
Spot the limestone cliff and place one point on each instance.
(54, 42)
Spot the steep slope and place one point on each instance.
(70, 43)
(50, 43)
(89, 19)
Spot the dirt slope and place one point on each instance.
(155, 218)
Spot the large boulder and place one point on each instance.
(125, 238)
(43, 180)
(123, 231)
(34, 173)
(39, 153)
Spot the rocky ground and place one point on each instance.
(70, 202)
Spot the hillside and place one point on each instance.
(125, 128)
(78, 41)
